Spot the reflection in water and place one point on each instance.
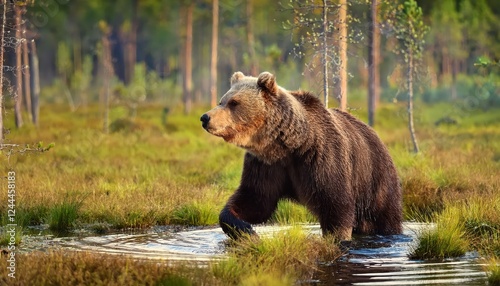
(371, 260)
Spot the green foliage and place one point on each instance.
(410, 29)
(64, 63)
(476, 91)
(81, 80)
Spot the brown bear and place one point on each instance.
(324, 159)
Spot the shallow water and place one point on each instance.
(371, 260)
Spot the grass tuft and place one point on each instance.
(287, 255)
(63, 216)
(493, 272)
(289, 212)
(195, 214)
(446, 240)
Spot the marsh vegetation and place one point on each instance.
(175, 173)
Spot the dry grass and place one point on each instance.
(83, 268)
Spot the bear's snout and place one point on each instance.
(205, 118)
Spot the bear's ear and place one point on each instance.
(236, 77)
(267, 81)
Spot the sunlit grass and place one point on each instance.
(286, 256)
(288, 213)
(447, 239)
(195, 214)
(493, 271)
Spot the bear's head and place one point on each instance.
(256, 114)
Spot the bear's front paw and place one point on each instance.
(236, 231)
(233, 226)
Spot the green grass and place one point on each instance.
(195, 214)
(448, 239)
(493, 272)
(287, 256)
(289, 212)
(9, 236)
(62, 217)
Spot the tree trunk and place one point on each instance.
(254, 67)
(410, 102)
(131, 44)
(107, 66)
(35, 95)
(343, 54)
(2, 34)
(213, 62)
(26, 73)
(188, 50)
(325, 52)
(373, 64)
(19, 72)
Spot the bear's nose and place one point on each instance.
(204, 119)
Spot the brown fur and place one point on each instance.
(327, 160)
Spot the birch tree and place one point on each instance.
(410, 30)
(2, 35)
(322, 32)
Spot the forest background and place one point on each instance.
(161, 51)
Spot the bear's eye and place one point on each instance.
(232, 103)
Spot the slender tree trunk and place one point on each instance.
(373, 64)
(325, 52)
(108, 74)
(213, 62)
(26, 73)
(131, 44)
(343, 54)
(410, 102)
(35, 95)
(188, 50)
(254, 66)
(2, 34)
(19, 72)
